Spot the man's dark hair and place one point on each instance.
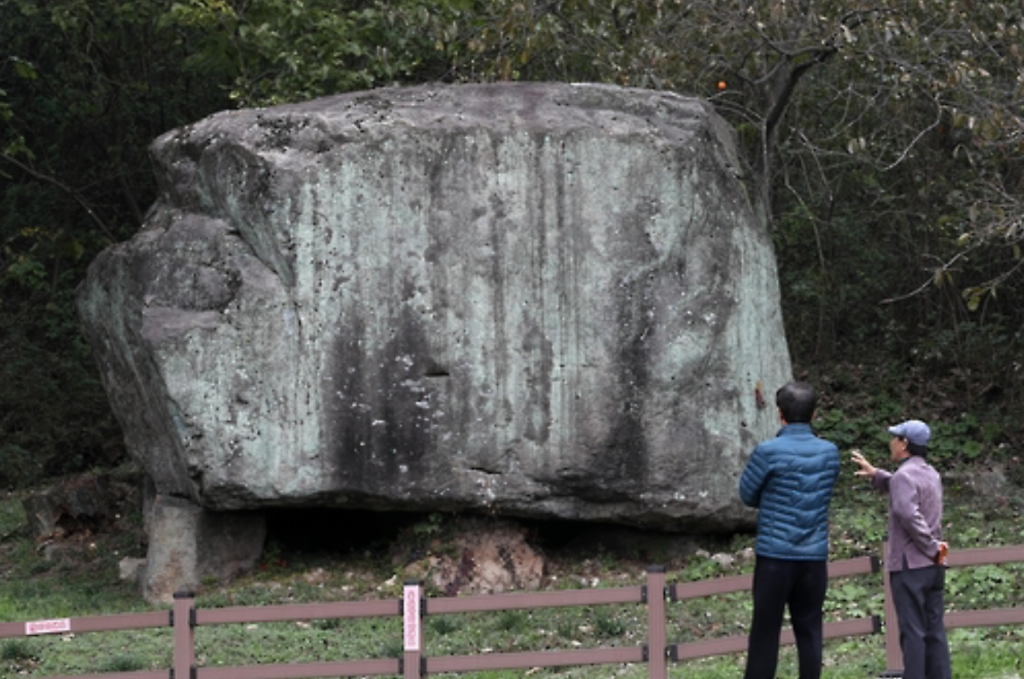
(916, 450)
(797, 402)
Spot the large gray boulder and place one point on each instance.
(541, 300)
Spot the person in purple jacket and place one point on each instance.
(916, 555)
(790, 480)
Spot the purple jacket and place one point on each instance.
(915, 513)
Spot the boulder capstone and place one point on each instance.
(538, 300)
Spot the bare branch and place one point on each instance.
(924, 286)
(75, 195)
(917, 138)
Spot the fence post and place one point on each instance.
(184, 635)
(893, 651)
(657, 662)
(412, 629)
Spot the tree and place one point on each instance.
(84, 88)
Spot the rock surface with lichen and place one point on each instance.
(541, 300)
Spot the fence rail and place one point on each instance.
(655, 595)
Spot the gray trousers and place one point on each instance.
(918, 597)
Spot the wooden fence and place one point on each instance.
(655, 595)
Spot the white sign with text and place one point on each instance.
(48, 626)
(411, 609)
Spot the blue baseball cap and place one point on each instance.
(915, 431)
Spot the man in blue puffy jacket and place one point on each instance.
(790, 479)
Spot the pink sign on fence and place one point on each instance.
(48, 626)
(411, 610)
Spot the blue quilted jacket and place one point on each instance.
(790, 479)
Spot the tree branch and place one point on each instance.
(75, 195)
(782, 93)
(931, 281)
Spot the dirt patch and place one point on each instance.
(481, 557)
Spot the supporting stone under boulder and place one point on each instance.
(537, 300)
(193, 544)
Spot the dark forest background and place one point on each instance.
(887, 139)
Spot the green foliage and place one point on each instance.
(961, 441)
(46, 432)
(608, 625)
(991, 652)
(848, 430)
(431, 527)
(858, 519)
(272, 51)
(850, 599)
(273, 559)
(699, 568)
(12, 515)
(513, 622)
(15, 649)
(832, 292)
(21, 468)
(87, 86)
(442, 625)
(990, 586)
(124, 663)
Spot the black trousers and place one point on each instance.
(918, 598)
(800, 586)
